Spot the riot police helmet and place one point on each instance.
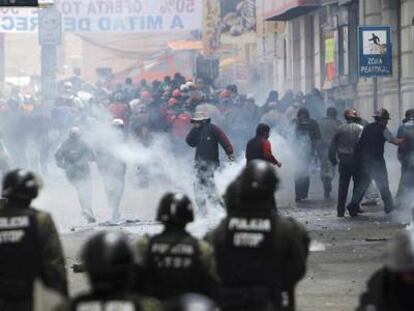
(400, 253)
(258, 181)
(108, 260)
(175, 208)
(21, 184)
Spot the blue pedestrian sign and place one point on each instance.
(375, 51)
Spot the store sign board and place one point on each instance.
(127, 16)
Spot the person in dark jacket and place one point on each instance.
(391, 287)
(174, 262)
(29, 244)
(406, 157)
(343, 146)
(206, 138)
(259, 147)
(370, 162)
(260, 255)
(73, 156)
(306, 133)
(328, 126)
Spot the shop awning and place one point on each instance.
(283, 10)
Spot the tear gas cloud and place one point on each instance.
(162, 166)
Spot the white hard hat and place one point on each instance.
(135, 102)
(67, 84)
(250, 96)
(184, 87)
(117, 122)
(200, 116)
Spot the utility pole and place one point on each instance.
(50, 36)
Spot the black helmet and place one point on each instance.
(382, 114)
(190, 302)
(108, 260)
(400, 252)
(175, 208)
(21, 184)
(258, 180)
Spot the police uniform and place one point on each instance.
(175, 263)
(385, 292)
(254, 262)
(391, 287)
(260, 256)
(110, 266)
(29, 246)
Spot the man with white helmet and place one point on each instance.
(391, 287)
(206, 138)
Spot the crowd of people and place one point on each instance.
(320, 132)
(33, 131)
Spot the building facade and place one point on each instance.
(318, 48)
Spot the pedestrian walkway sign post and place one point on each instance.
(375, 54)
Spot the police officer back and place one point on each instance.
(391, 287)
(260, 256)
(29, 244)
(109, 263)
(174, 262)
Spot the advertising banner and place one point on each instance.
(238, 21)
(211, 27)
(125, 16)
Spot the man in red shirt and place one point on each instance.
(259, 147)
